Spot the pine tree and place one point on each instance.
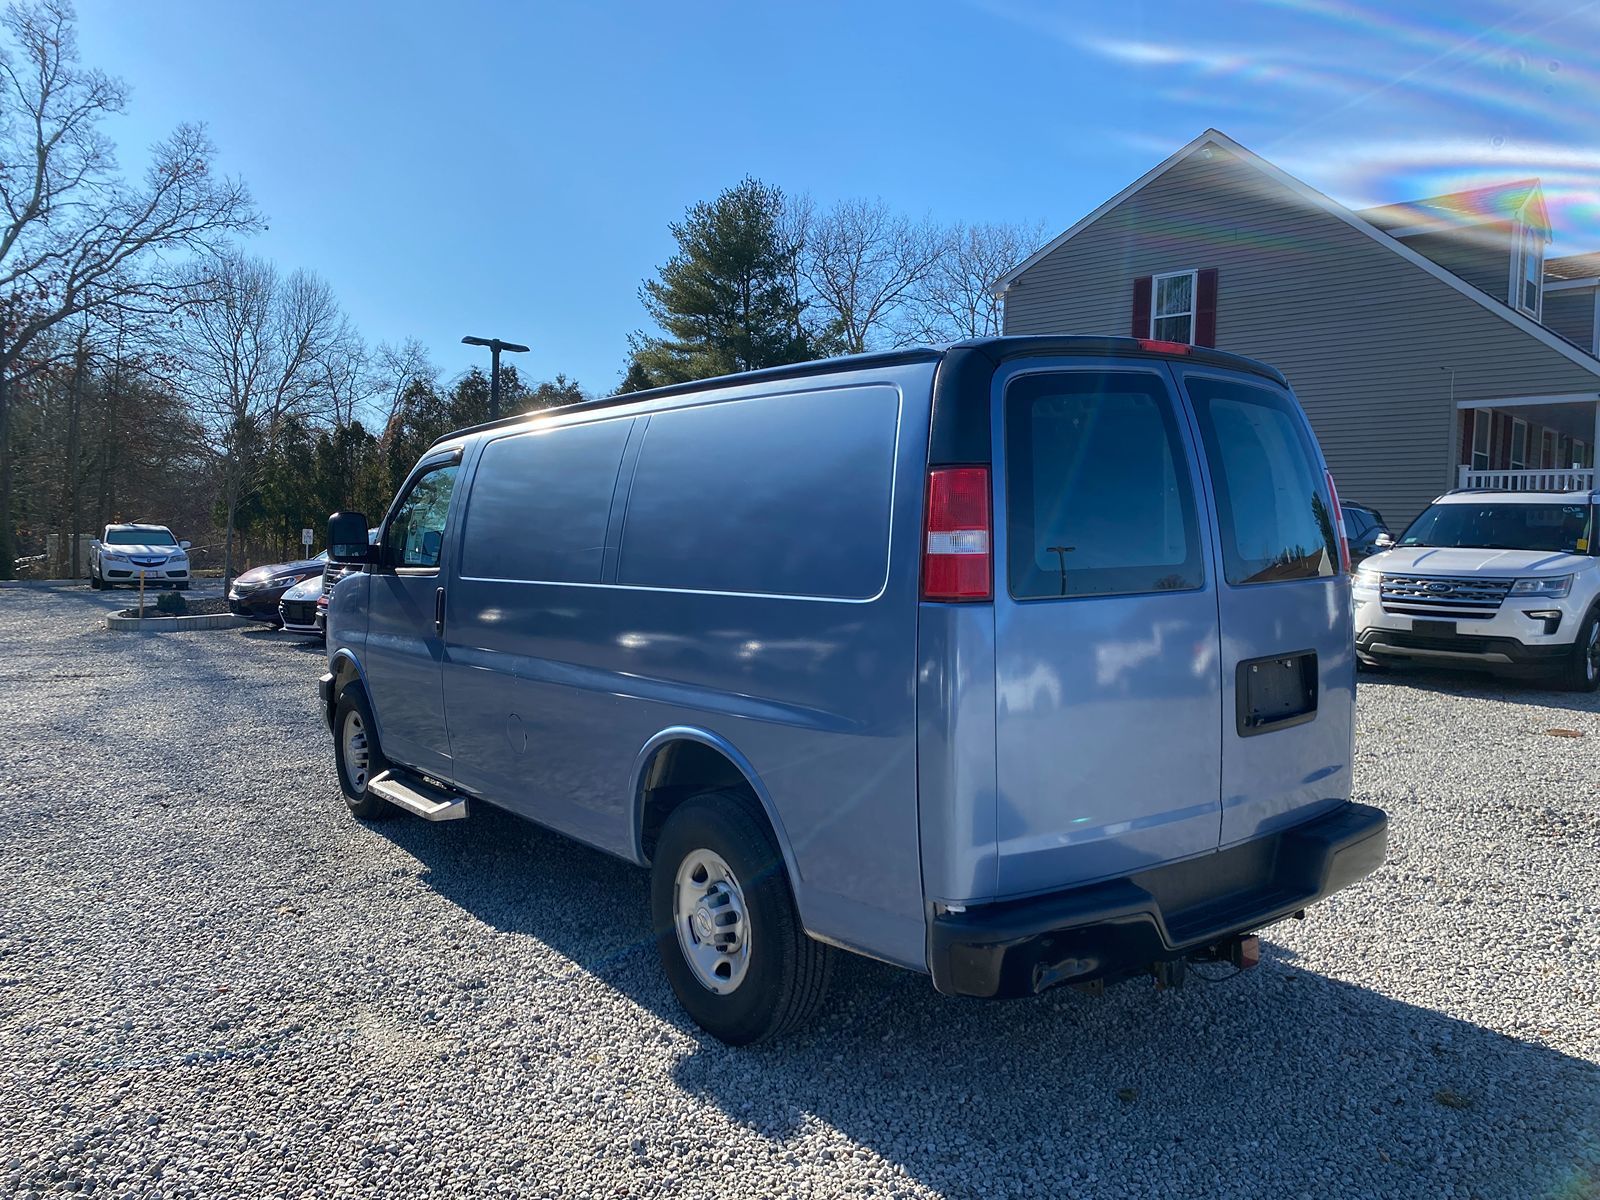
(727, 300)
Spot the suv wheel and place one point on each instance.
(730, 939)
(357, 755)
(1582, 670)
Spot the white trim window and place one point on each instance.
(1519, 444)
(1172, 306)
(1482, 425)
(1527, 269)
(1547, 450)
(1580, 453)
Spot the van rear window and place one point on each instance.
(1098, 496)
(1272, 501)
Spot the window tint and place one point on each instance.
(1098, 497)
(415, 537)
(540, 502)
(1272, 502)
(783, 495)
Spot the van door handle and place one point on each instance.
(438, 611)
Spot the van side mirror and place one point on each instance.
(348, 538)
(1384, 541)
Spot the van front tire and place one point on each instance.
(357, 755)
(730, 939)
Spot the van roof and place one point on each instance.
(995, 349)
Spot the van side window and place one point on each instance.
(539, 504)
(1272, 503)
(1098, 496)
(415, 536)
(779, 495)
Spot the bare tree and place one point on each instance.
(394, 370)
(77, 238)
(864, 263)
(253, 352)
(954, 301)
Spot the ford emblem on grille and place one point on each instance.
(1438, 587)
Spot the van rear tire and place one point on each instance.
(727, 930)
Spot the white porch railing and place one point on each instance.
(1545, 479)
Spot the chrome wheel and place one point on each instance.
(709, 913)
(1591, 654)
(356, 753)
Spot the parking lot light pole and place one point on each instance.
(495, 346)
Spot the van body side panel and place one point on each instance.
(530, 707)
(762, 588)
(956, 751)
(1108, 691)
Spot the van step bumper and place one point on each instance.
(1106, 930)
(415, 795)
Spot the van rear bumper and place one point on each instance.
(1022, 947)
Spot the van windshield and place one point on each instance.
(1554, 528)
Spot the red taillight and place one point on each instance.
(956, 535)
(1159, 347)
(1338, 524)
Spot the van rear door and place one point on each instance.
(1288, 657)
(1109, 693)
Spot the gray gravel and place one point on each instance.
(212, 982)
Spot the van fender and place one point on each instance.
(336, 660)
(677, 733)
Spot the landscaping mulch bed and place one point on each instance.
(209, 606)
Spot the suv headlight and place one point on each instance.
(1369, 577)
(1555, 586)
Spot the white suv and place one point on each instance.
(125, 552)
(1505, 580)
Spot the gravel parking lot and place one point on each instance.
(213, 982)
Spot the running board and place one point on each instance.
(412, 794)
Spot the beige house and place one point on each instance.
(1433, 344)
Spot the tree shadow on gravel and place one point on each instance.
(1279, 1082)
(1480, 685)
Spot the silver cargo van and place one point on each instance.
(1021, 663)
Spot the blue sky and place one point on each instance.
(510, 169)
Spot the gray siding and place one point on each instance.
(1571, 314)
(1362, 334)
(1480, 255)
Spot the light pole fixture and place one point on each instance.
(495, 346)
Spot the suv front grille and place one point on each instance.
(1443, 595)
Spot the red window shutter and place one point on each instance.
(1141, 306)
(1205, 308)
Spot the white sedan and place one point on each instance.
(124, 553)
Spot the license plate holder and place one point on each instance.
(1438, 629)
(1276, 692)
